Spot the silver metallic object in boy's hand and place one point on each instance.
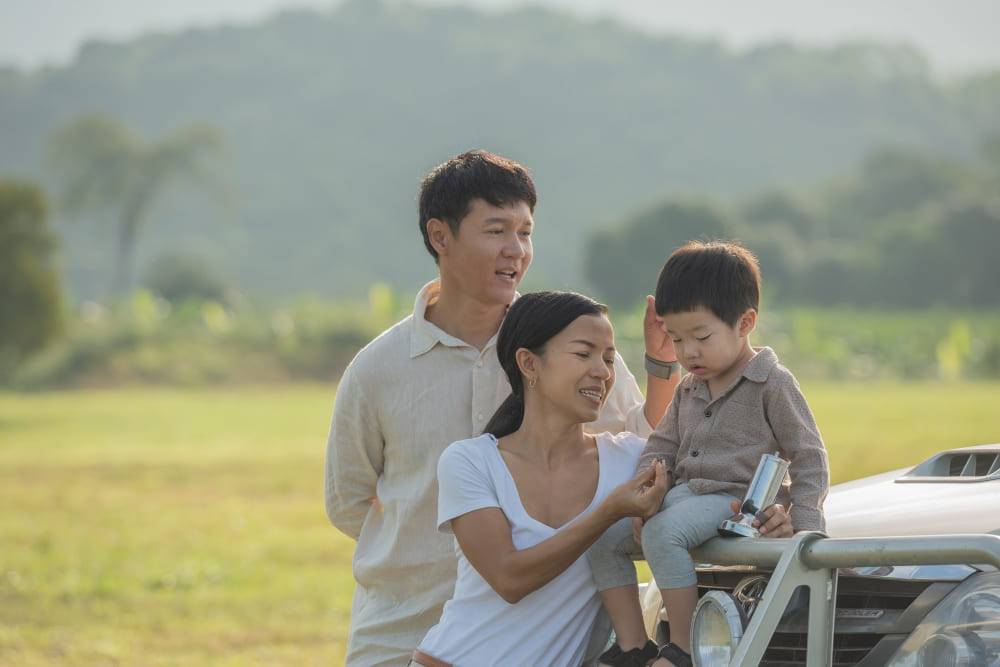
(761, 494)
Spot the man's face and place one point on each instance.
(491, 252)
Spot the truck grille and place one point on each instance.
(874, 616)
(789, 648)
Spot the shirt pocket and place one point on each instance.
(741, 426)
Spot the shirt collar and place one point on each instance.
(425, 335)
(758, 368)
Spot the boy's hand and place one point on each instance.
(778, 524)
(658, 343)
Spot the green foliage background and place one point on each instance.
(332, 116)
(862, 181)
(902, 230)
(149, 340)
(30, 287)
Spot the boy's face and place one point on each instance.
(492, 251)
(705, 345)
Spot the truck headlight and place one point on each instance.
(716, 630)
(964, 629)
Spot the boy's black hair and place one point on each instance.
(446, 193)
(722, 276)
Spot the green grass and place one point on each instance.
(878, 426)
(165, 527)
(156, 527)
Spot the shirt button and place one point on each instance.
(479, 416)
(479, 364)
(694, 453)
(708, 413)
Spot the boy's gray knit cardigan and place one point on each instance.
(715, 444)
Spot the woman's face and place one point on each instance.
(577, 368)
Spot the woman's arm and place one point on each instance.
(485, 538)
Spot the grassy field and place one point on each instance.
(176, 527)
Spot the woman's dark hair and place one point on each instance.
(531, 322)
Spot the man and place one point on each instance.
(432, 379)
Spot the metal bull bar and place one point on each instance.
(811, 559)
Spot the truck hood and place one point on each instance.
(880, 506)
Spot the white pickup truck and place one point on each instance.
(909, 576)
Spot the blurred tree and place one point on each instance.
(909, 231)
(332, 149)
(101, 166)
(622, 263)
(179, 277)
(778, 208)
(991, 153)
(779, 252)
(968, 239)
(30, 292)
(831, 278)
(903, 265)
(776, 226)
(944, 256)
(890, 182)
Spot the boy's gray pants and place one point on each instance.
(685, 520)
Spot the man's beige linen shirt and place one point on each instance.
(715, 444)
(406, 396)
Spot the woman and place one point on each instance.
(528, 497)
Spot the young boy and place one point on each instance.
(735, 404)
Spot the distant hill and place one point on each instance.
(332, 117)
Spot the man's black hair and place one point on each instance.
(448, 191)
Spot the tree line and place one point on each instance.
(903, 230)
(333, 115)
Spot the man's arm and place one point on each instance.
(354, 456)
(659, 346)
(626, 409)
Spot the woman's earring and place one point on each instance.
(531, 382)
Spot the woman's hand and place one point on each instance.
(778, 524)
(640, 496)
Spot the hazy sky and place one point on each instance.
(957, 34)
